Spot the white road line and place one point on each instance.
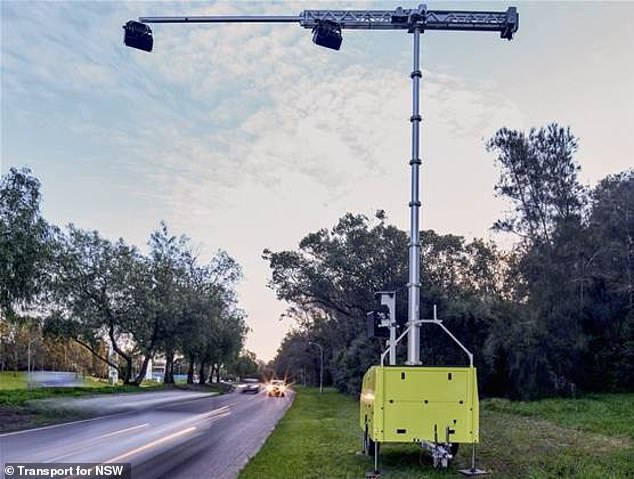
(150, 445)
(52, 426)
(213, 412)
(90, 443)
(131, 428)
(212, 415)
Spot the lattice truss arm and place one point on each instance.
(506, 23)
(419, 18)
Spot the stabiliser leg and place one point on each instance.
(375, 474)
(473, 471)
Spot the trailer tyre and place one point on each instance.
(368, 444)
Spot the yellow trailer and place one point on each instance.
(436, 407)
(432, 406)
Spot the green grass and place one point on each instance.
(585, 438)
(12, 380)
(19, 397)
(611, 414)
(18, 380)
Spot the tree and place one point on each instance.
(201, 320)
(171, 261)
(25, 242)
(224, 346)
(330, 283)
(101, 290)
(538, 174)
(245, 365)
(334, 275)
(294, 360)
(609, 285)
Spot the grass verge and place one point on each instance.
(610, 414)
(319, 438)
(12, 380)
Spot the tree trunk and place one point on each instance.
(201, 372)
(127, 372)
(127, 375)
(218, 373)
(141, 376)
(168, 377)
(190, 370)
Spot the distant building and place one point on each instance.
(156, 369)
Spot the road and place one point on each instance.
(202, 438)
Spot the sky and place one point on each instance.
(246, 137)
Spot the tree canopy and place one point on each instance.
(553, 315)
(25, 241)
(97, 294)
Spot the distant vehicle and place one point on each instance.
(276, 387)
(250, 386)
(54, 379)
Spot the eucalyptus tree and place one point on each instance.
(244, 365)
(170, 261)
(202, 326)
(608, 267)
(26, 242)
(539, 176)
(331, 279)
(101, 291)
(224, 346)
(293, 359)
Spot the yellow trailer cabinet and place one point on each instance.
(420, 404)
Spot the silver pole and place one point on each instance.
(413, 287)
(321, 371)
(392, 345)
(376, 457)
(28, 364)
(227, 19)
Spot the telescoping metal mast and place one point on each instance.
(326, 26)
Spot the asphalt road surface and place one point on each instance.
(201, 438)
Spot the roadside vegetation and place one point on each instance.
(12, 380)
(551, 316)
(73, 300)
(320, 437)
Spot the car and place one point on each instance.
(276, 387)
(250, 386)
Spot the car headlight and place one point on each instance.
(269, 388)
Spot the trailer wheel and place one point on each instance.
(368, 444)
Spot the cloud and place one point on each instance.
(241, 137)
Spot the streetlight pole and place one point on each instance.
(28, 362)
(321, 366)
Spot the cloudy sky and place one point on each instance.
(249, 137)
